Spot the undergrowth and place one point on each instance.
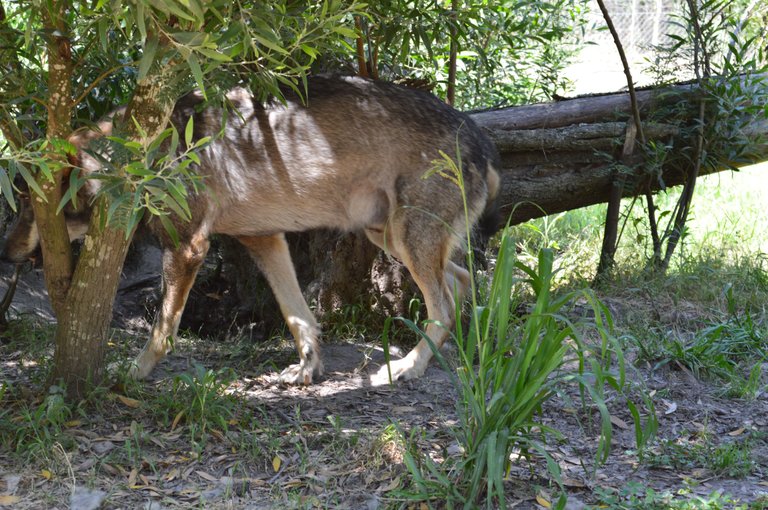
(707, 313)
(508, 368)
(691, 451)
(533, 331)
(636, 496)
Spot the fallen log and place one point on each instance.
(561, 156)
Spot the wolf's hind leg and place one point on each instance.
(426, 257)
(457, 279)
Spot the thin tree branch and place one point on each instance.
(450, 95)
(95, 82)
(703, 71)
(654, 227)
(625, 65)
(610, 235)
(686, 197)
(362, 66)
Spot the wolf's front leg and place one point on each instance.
(274, 259)
(180, 268)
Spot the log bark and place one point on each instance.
(559, 156)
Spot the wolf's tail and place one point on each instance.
(490, 220)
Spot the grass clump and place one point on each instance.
(730, 350)
(200, 399)
(33, 430)
(637, 496)
(728, 459)
(508, 367)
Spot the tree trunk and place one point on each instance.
(54, 241)
(83, 324)
(86, 312)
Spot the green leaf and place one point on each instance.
(114, 205)
(197, 72)
(172, 7)
(200, 143)
(191, 39)
(214, 55)
(75, 183)
(179, 193)
(31, 182)
(174, 140)
(181, 209)
(139, 169)
(140, 24)
(148, 58)
(127, 144)
(102, 28)
(345, 31)
(68, 195)
(270, 44)
(168, 226)
(196, 7)
(140, 130)
(189, 131)
(133, 220)
(309, 50)
(7, 187)
(156, 144)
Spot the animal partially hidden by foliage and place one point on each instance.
(354, 154)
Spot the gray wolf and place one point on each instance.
(351, 156)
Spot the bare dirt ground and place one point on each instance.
(336, 444)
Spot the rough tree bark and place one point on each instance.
(558, 156)
(57, 254)
(86, 311)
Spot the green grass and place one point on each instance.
(708, 312)
(28, 345)
(200, 400)
(508, 367)
(726, 459)
(536, 331)
(636, 496)
(32, 425)
(725, 231)
(711, 301)
(33, 429)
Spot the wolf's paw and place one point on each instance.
(301, 373)
(141, 367)
(134, 372)
(295, 375)
(401, 370)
